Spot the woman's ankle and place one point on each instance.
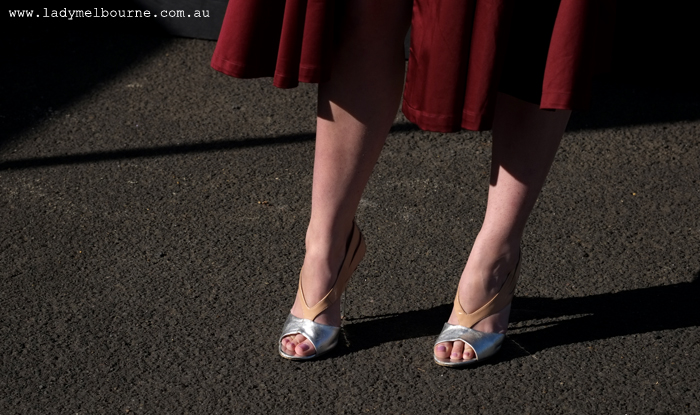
(325, 251)
(490, 261)
(327, 240)
(494, 251)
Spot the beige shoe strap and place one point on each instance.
(496, 304)
(352, 257)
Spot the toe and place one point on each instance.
(468, 353)
(457, 350)
(293, 343)
(442, 350)
(305, 348)
(288, 345)
(297, 345)
(298, 339)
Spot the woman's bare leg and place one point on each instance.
(355, 111)
(525, 140)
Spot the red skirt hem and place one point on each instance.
(458, 49)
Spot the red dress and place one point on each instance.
(462, 52)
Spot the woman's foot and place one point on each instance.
(319, 273)
(488, 267)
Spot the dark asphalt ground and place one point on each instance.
(153, 215)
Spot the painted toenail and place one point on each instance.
(304, 347)
(441, 348)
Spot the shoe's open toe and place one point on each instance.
(483, 344)
(322, 336)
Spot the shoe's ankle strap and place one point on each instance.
(496, 304)
(349, 263)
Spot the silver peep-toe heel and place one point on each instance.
(323, 336)
(483, 344)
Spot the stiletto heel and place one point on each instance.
(484, 344)
(323, 336)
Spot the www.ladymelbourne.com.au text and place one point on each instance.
(102, 12)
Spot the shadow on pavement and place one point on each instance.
(55, 62)
(554, 322)
(51, 62)
(617, 104)
(138, 153)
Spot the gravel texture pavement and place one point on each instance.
(153, 214)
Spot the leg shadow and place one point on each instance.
(548, 322)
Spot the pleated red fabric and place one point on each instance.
(291, 41)
(457, 54)
(581, 47)
(454, 63)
